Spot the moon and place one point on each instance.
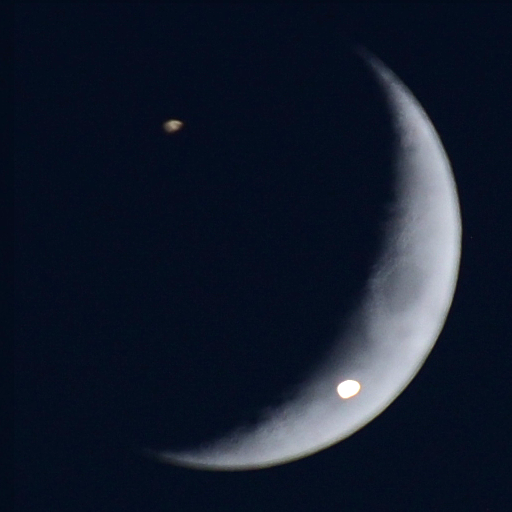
(396, 323)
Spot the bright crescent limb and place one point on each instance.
(397, 322)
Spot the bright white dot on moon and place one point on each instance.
(348, 388)
(172, 125)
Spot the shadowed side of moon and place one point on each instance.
(388, 336)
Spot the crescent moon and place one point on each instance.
(396, 323)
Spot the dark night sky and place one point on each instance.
(171, 286)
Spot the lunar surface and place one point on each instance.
(393, 328)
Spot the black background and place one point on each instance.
(170, 286)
